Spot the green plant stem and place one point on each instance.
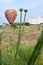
(19, 37)
(20, 34)
(24, 22)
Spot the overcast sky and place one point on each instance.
(35, 8)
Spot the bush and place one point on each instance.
(14, 25)
(26, 23)
(0, 26)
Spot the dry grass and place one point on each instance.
(30, 35)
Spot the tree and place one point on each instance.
(27, 23)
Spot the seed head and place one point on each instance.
(21, 9)
(25, 10)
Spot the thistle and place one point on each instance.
(20, 15)
(19, 35)
(25, 11)
(25, 14)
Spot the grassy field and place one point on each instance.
(28, 42)
(30, 35)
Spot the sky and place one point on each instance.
(34, 7)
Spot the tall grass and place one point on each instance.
(24, 55)
(0, 47)
(37, 50)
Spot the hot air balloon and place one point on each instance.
(11, 15)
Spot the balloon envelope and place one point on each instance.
(11, 15)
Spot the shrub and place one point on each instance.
(27, 23)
